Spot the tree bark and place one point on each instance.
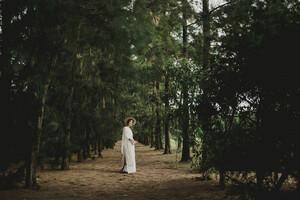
(206, 120)
(158, 142)
(185, 128)
(222, 179)
(185, 107)
(146, 140)
(167, 116)
(86, 148)
(152, 142)
(206, 34)
(179, 142)
(100, 148)
(79, 155)
(66, 138)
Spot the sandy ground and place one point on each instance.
(156, 178)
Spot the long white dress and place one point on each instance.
(128, 151)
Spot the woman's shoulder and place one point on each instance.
(126, 128)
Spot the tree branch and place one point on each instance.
(216, 8)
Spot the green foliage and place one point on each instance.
(89, 64)
(83, 50)
(249, 92)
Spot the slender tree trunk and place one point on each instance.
(158, 132)
(263, 111)
(167, 116)
(206, 124)
(80, 155)
(66, 138)
(100, 148)
(158, 143)
(185, 107)
(95, 148)
(146, 139)
(152, 128)
(179, 124)
(179, 142)
(222, 179)
(152, 137)
(259, 179)
(86, 149)
(56, 161)
(32, 164)
(185, 128)
(167, 139)
(297, 191)
(206, 34)
(65, 155)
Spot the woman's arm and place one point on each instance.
(132, 140)
(128, 136)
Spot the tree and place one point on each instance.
(249, 112)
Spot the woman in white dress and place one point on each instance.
(127, 147)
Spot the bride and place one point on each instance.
(127, 147)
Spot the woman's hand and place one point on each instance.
(132, 141)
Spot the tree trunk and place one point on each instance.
(66, 138)
(206, 120)
(185, 128)
(152, 137)
(179, 142)
(158, 142)
(167, 116)
(100, 149)
(158, 132)
(179, 125)
(95, 148)
(146, 139)
(222, 179)
(32, 162)
(86, 148)
(297, 191)
(259, 179)
(185, 107)
(167, 138)
(79, 155)
(65, 155)
(206, 34)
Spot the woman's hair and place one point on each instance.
(129, 121)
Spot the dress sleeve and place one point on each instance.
(126, 133)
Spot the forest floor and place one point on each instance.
(156, 178)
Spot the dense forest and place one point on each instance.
(220, 80)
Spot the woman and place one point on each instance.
(127, 147)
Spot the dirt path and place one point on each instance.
(100, 179)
